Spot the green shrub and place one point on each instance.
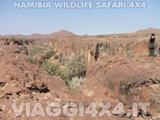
(75, 83)
(37, 50)
(73, 72)
(75, 68)
(52, 69)
(39, 54)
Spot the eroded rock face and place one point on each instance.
(130, 79)
(22, 81)
(97, 47)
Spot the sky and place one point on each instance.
(80, 21)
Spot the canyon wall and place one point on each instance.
(93, 48)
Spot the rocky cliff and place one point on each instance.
(93, 48)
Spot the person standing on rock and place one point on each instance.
(97, 52)
(152, 45)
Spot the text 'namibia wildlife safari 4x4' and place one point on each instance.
(79, 60)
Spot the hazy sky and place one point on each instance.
(79, 21)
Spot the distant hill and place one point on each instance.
(149, 30)
(62, 33)
(65, 34)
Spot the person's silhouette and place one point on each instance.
(152, 45)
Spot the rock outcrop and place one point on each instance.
(98, 47)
